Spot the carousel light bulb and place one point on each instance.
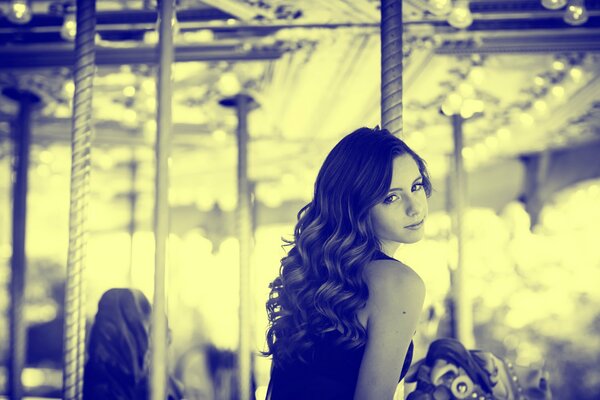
(554, 4)
(228, 84)
(460, 17)
(576, 13)
(538, 80)
(440, 6)
(558, 91)
(558, 65)
(452, 104)
(69, 27)
(576, 74)
(477, 75)
(471, 107)
(540, 106)
(526, 119)
(69, 88)
(19, 12)
(129, 91)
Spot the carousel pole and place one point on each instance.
(391, 66)
(463, 321)
(81, 138)
(244, 104)
(17, 336)
(133, 201)
(158, 346)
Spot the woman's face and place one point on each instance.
(399, 218)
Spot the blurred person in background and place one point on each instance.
(343, 311)
(209, 373)
(118, 364)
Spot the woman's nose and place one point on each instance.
(414, 206)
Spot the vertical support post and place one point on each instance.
(17, 336)
(158, 347)
(244, 104)
(245, 236)
(133, 200)
(81, 139)
(391, 66)
(462, 305)
(536, 172)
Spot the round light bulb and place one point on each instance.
(576, 74)
(228, 84)
(129, 91)
(538, 80)
(576, 13)
(558, 65)
(470, 107)
(69, 27)
(460, 17)
(440, 7)
(554, 4)
(558, 91)
(526, 119)
(540, 106)
(19, 12)
(452, 104)
(69, 88)
(477, 75)
(466, 90)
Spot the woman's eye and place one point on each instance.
(417, 185)
(389, 199)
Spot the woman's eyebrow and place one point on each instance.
(400, 189)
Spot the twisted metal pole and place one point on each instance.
(391, 66)
(81, 138)
(158, 345)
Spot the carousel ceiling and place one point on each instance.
(526, 78)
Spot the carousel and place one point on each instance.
(164, 147)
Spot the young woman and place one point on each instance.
(343, 311)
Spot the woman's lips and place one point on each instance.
(415, 226)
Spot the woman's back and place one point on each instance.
(331, 373)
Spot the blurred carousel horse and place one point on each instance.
(449, 372)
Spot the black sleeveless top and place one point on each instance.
(331, 375)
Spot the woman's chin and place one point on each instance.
(412, 238)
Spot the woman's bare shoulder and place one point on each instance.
(392, 282)
(382, 273)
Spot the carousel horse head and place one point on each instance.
(449, 372)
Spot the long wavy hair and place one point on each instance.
(320, 286)
(118, 350)
(118, 346)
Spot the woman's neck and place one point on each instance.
(389, 248)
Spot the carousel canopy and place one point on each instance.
(522, 73)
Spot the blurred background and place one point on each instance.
(523, 75)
